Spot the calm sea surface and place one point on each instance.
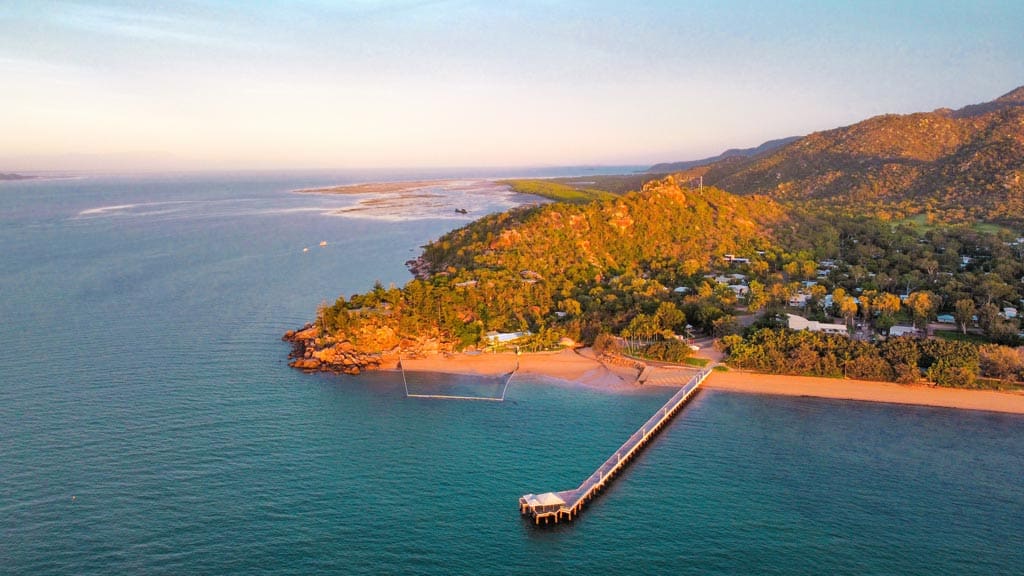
(150, 425)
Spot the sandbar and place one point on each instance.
(404, 187)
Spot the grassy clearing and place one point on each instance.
(993, 384)
(989, 228)
(557, 191)
(960, 336)
(922, 225)
(582, 189)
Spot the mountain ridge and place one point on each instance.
(960, 165)
(768, 146)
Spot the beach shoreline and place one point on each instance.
(866, 391)
(567, 366)
(583, 368)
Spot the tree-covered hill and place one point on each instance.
(666, 222)
(956, 165)
(558, 271)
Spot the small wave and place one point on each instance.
(120, 209)
(105, 209)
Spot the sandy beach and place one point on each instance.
(748, 382)
(581, 367)
(576, 367)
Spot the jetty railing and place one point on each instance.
(567, 504)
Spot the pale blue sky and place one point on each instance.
(205, 84)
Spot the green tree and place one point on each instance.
(903, 355)
(670, 318)
(757, 298)
(848, 309)
(922, 306)
(963, 313)
(1001, 362)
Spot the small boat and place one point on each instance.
(323, 243)
(462, 211)
(304, 250)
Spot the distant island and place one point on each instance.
(12, 176)
(890, 250)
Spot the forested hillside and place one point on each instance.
(563, 270)
(956, 166)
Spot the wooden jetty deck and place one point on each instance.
(567, 504)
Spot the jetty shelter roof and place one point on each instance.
(550, 499)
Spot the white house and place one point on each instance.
(904, 331)
(798, 300)
(739, 289)
(502, 337)
(735, 259)
(800, 323)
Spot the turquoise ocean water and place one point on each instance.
(150, 425)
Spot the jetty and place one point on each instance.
(553, 507)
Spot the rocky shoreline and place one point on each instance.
(418, 267)
(380, 350)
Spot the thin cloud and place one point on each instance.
(191, 28)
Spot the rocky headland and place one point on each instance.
(376, 348)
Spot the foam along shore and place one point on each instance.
(921, 395)
(579, 367)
